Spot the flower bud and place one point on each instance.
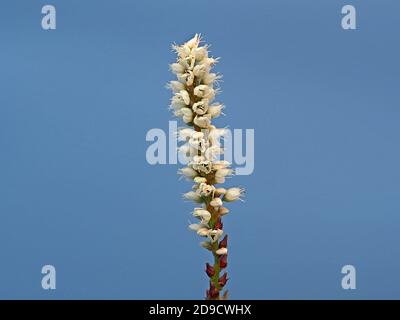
(187, 115)
(233, 194)
(216, 202)
(182, 77)
(210, 61)
(200, 53)
(202, 91)
(213, 152)
(218, 224)
(206, 244)
(187, 112)
(221, 251)
(205, 189)
(198, 135)
(223, 211)
(223, 261)
(220, 191)
(214, 235)
(219, 179)
(223, 172)
(200, 70)
(190, 79)
(193, 196)
(200, 107)
(194, 42)
(212, 293)
(210, 270)
(176, 86)
(198, 159)
(215, 110)
(223, 280)
(194, 226)
(188, 172)
(224, 242)
(222, 164)
(202, 121)
(177, 68)
(185, 96)
(203, 232)
(200, 180)
(177, 102)
(185, 134)
(202, 214)
(182, 51)
(209, 78)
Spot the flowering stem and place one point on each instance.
(194, 92)
(214, 279)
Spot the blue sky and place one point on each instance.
(76, 190)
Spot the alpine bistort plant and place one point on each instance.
(194, 92)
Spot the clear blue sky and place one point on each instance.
(76, 190)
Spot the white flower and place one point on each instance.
(222, 173)
(215, 135)
(177, 102)
(205, 189)
(188, 172)
(201, 70)
(199, 180)
(193, 196)
(196, 137)
(194, 42)
(198, 159)
(216, 202)
(219, 179)
(185, 134)
(203, 232)
(202, 214)
(187, 115)
(202, 166)
(209, 78)
(200, 107)
(176, 86)
(190, 79)
(220, 191)
(206, 244)
(184, 96)
(200, 53)
(213, 152)
(221, 251)
(198, 144)
(193, 95)
(215, 110)
(203, 91)
(177, 68)
(214, 235)
(202, 121)
(182, 77)
(205, 167)
(221, 164)
(210, 61)
(182, 51)
(223, 211)
(233, 194)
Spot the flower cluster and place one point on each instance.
(193, 101)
